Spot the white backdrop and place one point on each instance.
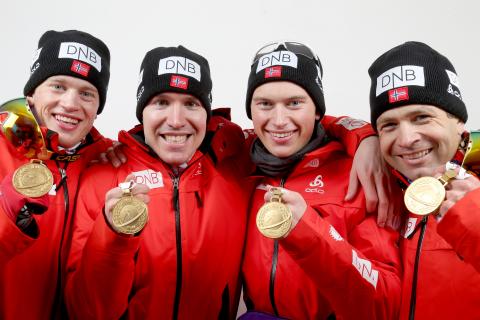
(347, 35)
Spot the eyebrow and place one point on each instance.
(297, 97)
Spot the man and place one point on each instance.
(66, 91)
(417, 108)
(333, 261)
(189, 165)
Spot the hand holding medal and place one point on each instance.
(281, 212)
(126, 207)
(425, 195)
(20, 127)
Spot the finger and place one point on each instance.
(130, 177)
(112, 158)
(370, 194)
(383, 200)
(352, 186)
(143, 197)
(446, 205)
(103, 157)
(139, 188)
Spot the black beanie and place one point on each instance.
(284, 65)
(174, 69)
(71, 53)
(414, 73)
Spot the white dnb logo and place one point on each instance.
(277, 58)
(364, 267)
(78, 51)
(400, 76)
(179, 65)
(149, 177)
(316, 185)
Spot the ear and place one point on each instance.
(460, 127)
(317, 117)
(29, 100)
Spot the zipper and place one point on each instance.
(58, 305)
(178, 240)
(273, 271)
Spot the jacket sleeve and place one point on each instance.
(360, 276)
(460, 227)
(348, 131)
(13, 241)
(100, 266)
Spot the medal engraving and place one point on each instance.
(33, 179)
(129, 215)
(425, 195)
(274, 219)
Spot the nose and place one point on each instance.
(69, 100)
(279, 116)
(176, 116)
(407, 135)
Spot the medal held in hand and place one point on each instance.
(33, 179)
(20, 128)
(129, 215)
(274, 219)
(425, 195)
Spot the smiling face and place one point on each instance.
(283, 117)
(416, 139)
(174, 125)
(66, 105)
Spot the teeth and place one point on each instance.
(281, 134)
(175, 139)
(416, 155)
(66, 119)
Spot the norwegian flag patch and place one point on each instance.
(179, 82)
(273, 72)
(398, 94)
(80, 68)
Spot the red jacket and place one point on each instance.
(29, 268)
(335, 261)
(447, 286)
(460, 227)
(185, 264)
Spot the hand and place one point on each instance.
(138, 190)
(456, 189)
(293, 200)
(12, 201)
(370, 171)
(114, 155)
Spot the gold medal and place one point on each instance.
(274, 219)
(425, 195)
(33, 179)
(129, 215)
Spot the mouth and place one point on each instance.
(416, 155)
(175, 139)
(285, 135)
(66, 120)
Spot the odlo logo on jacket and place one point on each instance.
(316, 185)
